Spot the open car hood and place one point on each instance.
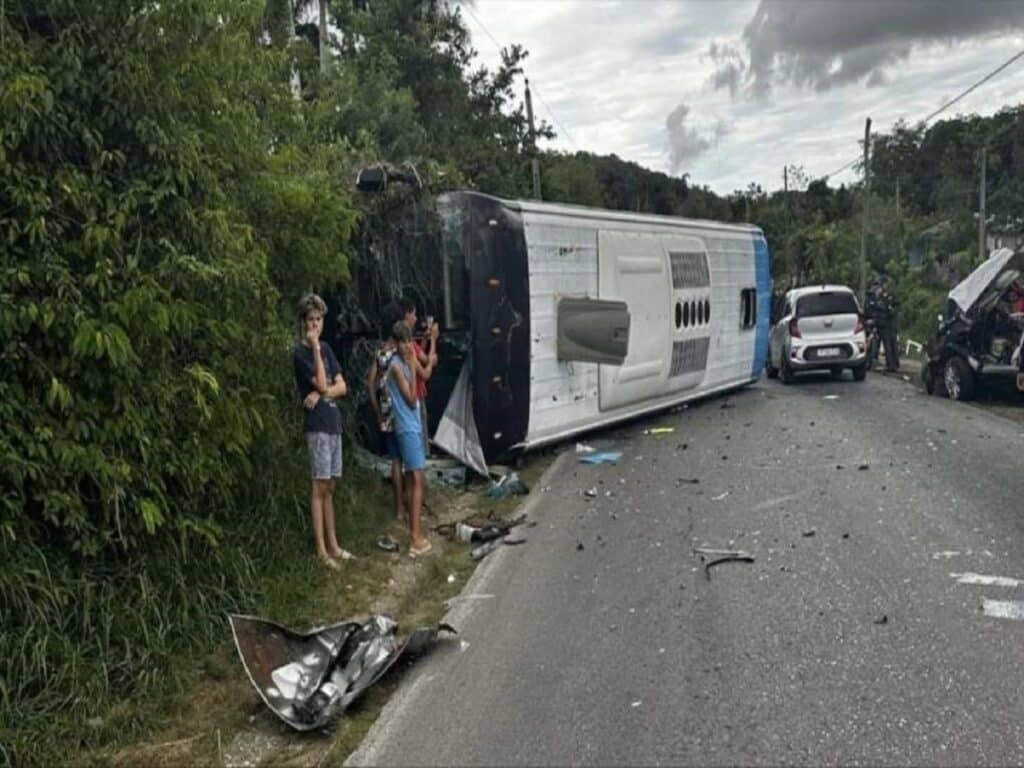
(972, 288)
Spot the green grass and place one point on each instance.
(132, 661)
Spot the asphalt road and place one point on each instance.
(601, 640)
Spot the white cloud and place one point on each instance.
(612, 71)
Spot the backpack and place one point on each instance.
(387, 416)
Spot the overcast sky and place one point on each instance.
(730, 91)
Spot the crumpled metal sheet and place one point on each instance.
(308, 679)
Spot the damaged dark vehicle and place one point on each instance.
(978, 342)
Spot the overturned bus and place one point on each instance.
(561, 319)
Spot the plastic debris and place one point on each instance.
(720, 496)
(451, 578)
(883, 619)
(591, 493)
(718, 556)
(660, 431)
(831, 397)
(583, 448)
(387, 544)
(468, 533)
(607, 457)
(809, 532)
(508, 485)
(308, 679)
(478, 553)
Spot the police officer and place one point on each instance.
(888, 326)
(872, 316)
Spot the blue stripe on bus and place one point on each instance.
(763, 272)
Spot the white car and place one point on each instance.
(820, 328)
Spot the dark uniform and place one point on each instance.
(888, 328)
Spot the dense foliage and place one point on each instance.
(165, 194)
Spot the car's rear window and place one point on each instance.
(818, 304)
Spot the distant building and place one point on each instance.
(1006, 234)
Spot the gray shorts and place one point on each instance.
(324, 455)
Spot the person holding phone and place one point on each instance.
(425, 356)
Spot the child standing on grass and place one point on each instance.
(319, 381)
(408, 430)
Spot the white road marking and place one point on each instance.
(1004, 609)
(985, 581)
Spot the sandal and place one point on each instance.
(329, 563)
(420, 551)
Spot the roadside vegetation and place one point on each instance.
(172, 177)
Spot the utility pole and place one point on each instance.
(785, 203)
(899, 217)
(865, 211)
(981, 208)
(534, 162)
(323, 36)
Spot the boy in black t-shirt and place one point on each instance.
(319, 382)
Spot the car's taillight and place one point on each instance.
(794, 329)
(860, 324)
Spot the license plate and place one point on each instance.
(828, 352)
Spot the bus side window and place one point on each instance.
(748, 308)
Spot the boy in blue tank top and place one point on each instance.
(408, 429)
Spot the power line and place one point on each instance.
(536, 91)
(949, 103)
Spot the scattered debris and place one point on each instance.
(659, 431)
(884, 619)
(863, 467)
(846, 535)
(470, 534)
(591, 493)
(737, 557)
(1004, 609)
(583, 448)
(579, 546)
(720, 496)
(451, 578)
(441, 471)
(607, 457)
(809, 532)
(636, 704)
(687, 481)
(946, 555)
(387, 543)
(831, 397)
(508, 485)
(308, 679)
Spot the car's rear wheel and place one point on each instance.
(860, 372)
(958, 379)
